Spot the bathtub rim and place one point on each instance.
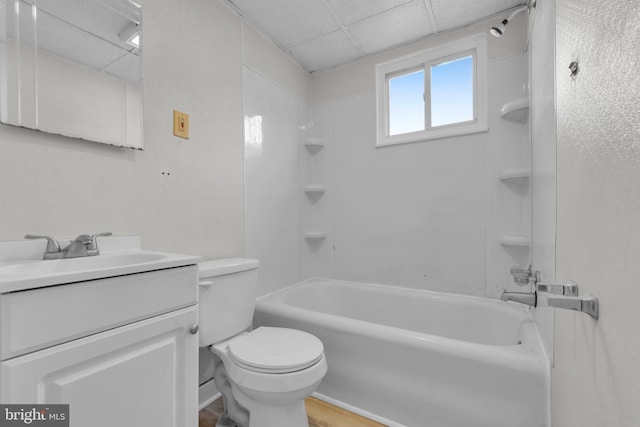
(529, 355)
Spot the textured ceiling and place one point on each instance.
(321, 34)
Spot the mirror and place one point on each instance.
(73, 67)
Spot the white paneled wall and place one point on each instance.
(406, 215)
(427, 215)
(316, 168)
(543, 159)
(271, 181)
(508, 150)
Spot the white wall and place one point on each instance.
(543, 158)
(426, 215)
(180, 196)
(276, 93)
(271, 181)
(316, 211)
(595, 381)
(407, 215)
(267, 59)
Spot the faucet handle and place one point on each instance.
(567, 289)
(93, 246)
(522, 276)
(516, 269)
(52, 244)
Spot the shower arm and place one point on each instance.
(499, 30)
(515, 12)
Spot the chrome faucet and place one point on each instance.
(53, 250)
(82, 246)
(527, 298)
(558, 295)
(92, 249)
(587, 304)
(78, 247)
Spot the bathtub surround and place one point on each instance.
(271, 180)
(412, 215)
(424, 215)
(408, 215)
(276, 110)
(543, 158)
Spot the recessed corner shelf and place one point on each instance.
(315, 190)
(515, 240)
(315, 235)
(314, 144)
(516, 176)
(516, 111)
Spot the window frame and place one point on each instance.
(476, 46)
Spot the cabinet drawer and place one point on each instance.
(35, 319)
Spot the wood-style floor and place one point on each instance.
(320, 414)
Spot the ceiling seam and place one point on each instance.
(431, 15)
(354, 43)
(263, 33)
(344, 28)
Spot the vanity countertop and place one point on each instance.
(21, 266)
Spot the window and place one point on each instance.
(436, 93)
(406, 102)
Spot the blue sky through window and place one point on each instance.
(451, 96)
(406, 103)
(452, 91)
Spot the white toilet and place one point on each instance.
(264, 375)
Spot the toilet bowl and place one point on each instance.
(270, 372)
(265, 374)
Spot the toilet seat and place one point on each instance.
(275, 350)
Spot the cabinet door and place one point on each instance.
(142, 374)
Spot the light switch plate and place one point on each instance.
(180, 124)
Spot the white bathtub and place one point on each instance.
(420, 358)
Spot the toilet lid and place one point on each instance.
(276, 350)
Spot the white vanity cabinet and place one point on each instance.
(121, 351)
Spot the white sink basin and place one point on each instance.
(30, 272)
(69, 265)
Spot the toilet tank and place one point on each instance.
(227, 297)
